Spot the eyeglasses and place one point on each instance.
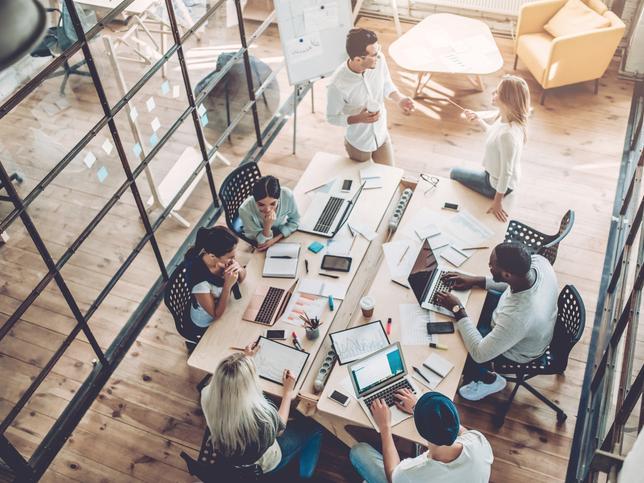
(432, 180)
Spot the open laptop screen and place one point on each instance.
(422, 271)
(377, 368)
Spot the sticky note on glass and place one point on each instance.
(133, 113)
(150, 104)
(154, 139)
(101, 174)
(201, 110)
(165, 87)
(204, 120)
(107, 146)
(89, 159)
(156, 124)
(137, 150)
(176, 90)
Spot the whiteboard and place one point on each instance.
(313, 35)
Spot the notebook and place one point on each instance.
(434, 369)
(281, 260)
(273, 358)
(372, 177)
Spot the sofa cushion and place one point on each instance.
(534, 50)
(575, 18)
(597, 5)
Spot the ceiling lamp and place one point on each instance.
(22, 25)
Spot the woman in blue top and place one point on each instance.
(270, 214)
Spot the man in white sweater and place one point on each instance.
(521, 325)
(355, 99)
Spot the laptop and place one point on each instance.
(379, 376)
(268, 304)
(328, 212)
(426, 280)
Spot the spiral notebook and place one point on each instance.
(281, 260)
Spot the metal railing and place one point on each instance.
(612, 385)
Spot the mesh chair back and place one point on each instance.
(238, 186)
(177, 299)
(549, 250)
(571, 319)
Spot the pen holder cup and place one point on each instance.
(313, 334)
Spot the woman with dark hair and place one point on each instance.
(213, 273)
(270, 214)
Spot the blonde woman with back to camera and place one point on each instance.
(503, 145)
(247, 429)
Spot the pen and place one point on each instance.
(420, 374)
(442, 347)
(403, 255)
(474, 248)
(389, 326)
(352, 242)
(401, 284)
(331, 305)
(452, 102)
(306, 265)
(296, 342)
(328, 275)
(282, 257)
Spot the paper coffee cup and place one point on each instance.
(367, 305)
(373, 106)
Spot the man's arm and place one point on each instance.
(335, 107)
(389, 453)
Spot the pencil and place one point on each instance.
(403, 255)
(237, 349)
(352, 242)
(452, 102)
(398, 283)
(317, 187)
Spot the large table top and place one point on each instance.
(231, 331)
(389, 296)
(447, 43)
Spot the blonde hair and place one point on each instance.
(514, 94)
(235, 408)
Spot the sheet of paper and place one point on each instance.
(454, 256)
(400, 256)
(273, 358)
(413, 324)
(419, 220)
(155, 124)
(321, 17)
(427, 231)
(304, 48)
(89, 159)
(150, 104)
(466, 231)
(438, 241)
(325, 288)
(345, 387)
(371, 171)
(372, 183)
(364, 230)
(300, 304)
(359, 342)
(339, 246)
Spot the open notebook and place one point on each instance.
(281, 260)
(434, 369)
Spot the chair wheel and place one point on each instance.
(19, 178)
(561, 417)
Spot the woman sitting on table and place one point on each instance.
(503, 145)
(247, 429)
(270, 214)
(213, 273)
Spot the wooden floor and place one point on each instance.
(149, 412)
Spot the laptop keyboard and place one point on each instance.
(269, 305)
(441, 286)
(329, 213)
(388, 393)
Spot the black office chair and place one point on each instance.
(571, 319)
(238, 186)
(177, 299)
(57, 40)
(12, 177)
(537, 242)
(208, 470)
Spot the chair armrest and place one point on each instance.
(534, 15)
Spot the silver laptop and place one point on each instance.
(426, 280)
(379, 376)
(328, 212)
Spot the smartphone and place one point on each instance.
(276, 334)
(346, 184)
(340, 398)
(450, 206)
(339, 264)
(440, 328)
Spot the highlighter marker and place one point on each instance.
(389, 326)
(296, 342)
(331, 304)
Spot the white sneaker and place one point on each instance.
(477, 390)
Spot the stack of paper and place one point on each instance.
(371, 176)
(413, 325)
(400, 256)
(281, 260)
(313, 286)
(434, 370)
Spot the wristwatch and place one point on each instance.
(458, 310)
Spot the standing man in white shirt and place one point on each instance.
(356, 95)
(454, 454)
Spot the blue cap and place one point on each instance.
(437, 419)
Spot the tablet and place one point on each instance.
(272, 358)
(358, 342)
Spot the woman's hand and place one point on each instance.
(269, 219)
(497, 209)
(288, 382)
(269, 243)
(251, 349)
(231, 275)
(470, 115)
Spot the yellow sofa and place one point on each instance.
(568, 59)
